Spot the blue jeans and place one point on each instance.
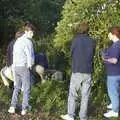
(113, 91)
(79, 82)
(22, 78)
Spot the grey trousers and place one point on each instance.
(79, 82)
(22, 78)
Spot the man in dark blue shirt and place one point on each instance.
(82, 51)
(41, 64)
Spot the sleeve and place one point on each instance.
(30, 54)
(91, 50)
(9, 59)
(72, 47)
(115, 52)
(45, 61)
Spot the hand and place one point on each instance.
(112, 60)
(30, 67)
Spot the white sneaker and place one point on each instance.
(11, 110)
(66, 117)
(23, 112)
(111, 113)
(109, 106)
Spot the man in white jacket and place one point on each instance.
(23, 60)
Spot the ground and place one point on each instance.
(4, 115)
(39, 115)
(95, 110)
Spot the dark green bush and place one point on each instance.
(100, 14)
(50, 96)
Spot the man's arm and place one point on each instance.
(9, 59)
(30, 54)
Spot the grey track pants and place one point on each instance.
(79, 82)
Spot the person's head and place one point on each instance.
(83, 28)
(114, 34)
(18, 34)
(29, 30)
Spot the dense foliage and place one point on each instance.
(52, 97)
(100, 14)
(44, 14)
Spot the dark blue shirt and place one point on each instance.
(113, 52)
(41, 59)
(10, 53)
(82, 51)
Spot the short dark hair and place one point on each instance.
(83, 28)
(28, 26)
(115, 31)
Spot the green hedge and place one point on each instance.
(100, 14)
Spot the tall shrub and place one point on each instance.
(100, 14)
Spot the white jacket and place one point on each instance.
(23, 53)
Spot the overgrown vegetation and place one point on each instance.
(51, 97)
(44, 14)
(100, 14)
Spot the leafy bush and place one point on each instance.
(50, 96)
(100, 14)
